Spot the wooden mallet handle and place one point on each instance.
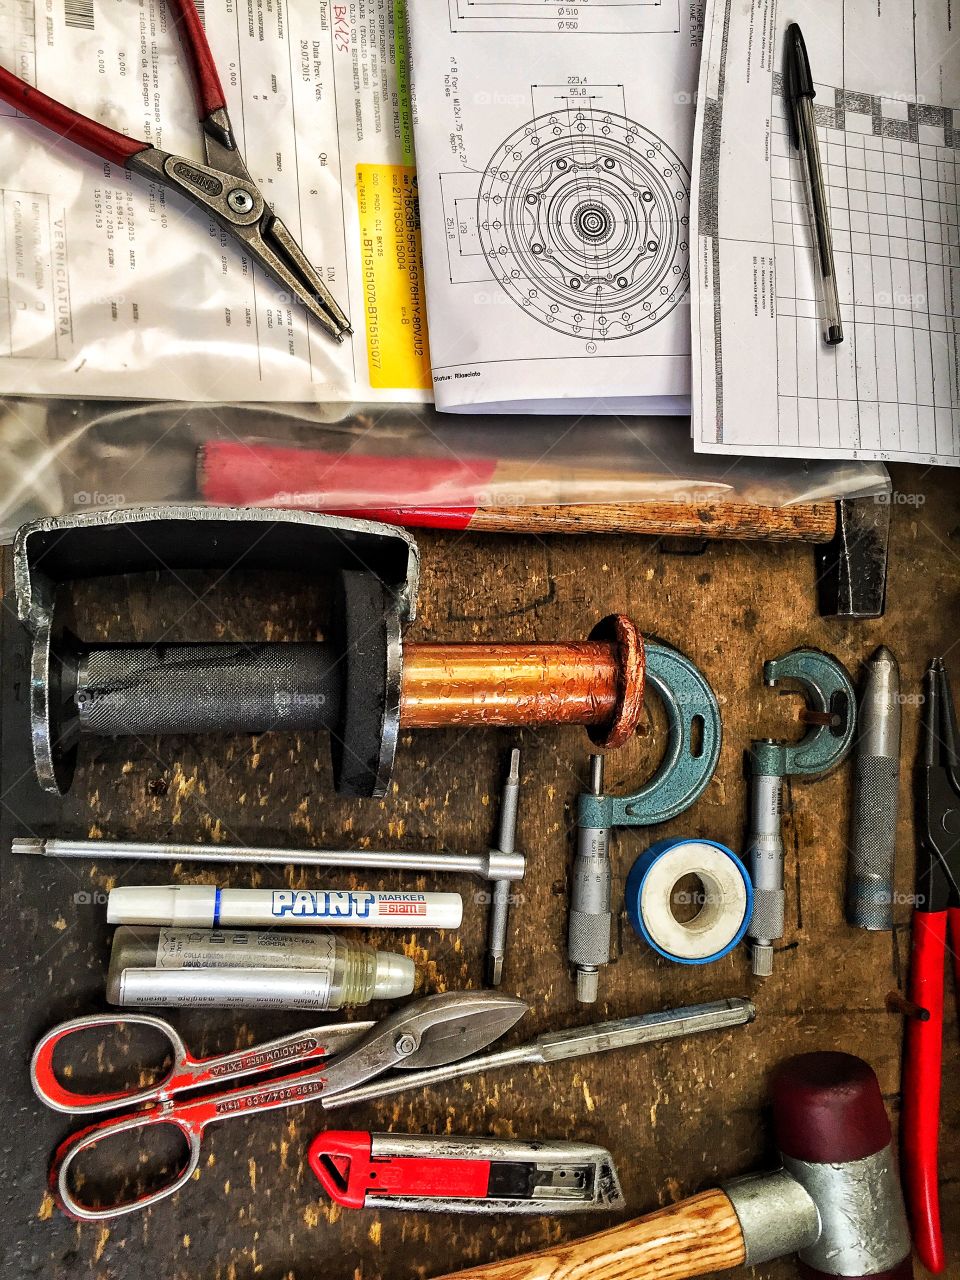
(694, 1237)
(805, 522)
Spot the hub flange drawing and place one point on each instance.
(583, 218)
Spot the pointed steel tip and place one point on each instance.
(883, 653)
(514, 775)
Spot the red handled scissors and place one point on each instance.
(431, 1032)
(935, 919)
(222, 185)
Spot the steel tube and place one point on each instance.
(492, 865)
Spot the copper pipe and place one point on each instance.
(510, 684)
(596, 682)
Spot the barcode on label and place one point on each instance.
(78, 13)
(199, 7)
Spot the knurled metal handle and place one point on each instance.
(870, 889)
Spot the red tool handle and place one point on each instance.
(97, 138)
(348, 1171)
(210, 96)
(923, 1061)
(282, 476)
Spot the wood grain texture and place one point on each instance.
(693, 1238)
(807, 522)
(677, 1117)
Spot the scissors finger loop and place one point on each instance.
(77, 1144)
(52, 1091)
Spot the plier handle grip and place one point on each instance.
(936, 923)
(222, 185)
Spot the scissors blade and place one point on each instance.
(464, 1023)
(431, 1032)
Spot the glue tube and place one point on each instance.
(207, 906)
(248, 969)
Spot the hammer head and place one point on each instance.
(833, 1134)
(852, 566)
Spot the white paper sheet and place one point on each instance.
(111, 287)
(553, 151)
(888, 115)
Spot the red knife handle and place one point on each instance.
(89, 134)
(923, 1061)
(349, 1171)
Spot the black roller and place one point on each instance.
(144, 689)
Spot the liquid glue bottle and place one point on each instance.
(251, 969)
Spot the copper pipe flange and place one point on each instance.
(631, 677)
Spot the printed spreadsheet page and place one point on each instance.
(888, 122)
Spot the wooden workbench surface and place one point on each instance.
(679, 1117)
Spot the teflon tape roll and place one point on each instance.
(725, 910)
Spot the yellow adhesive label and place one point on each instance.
(395, 315)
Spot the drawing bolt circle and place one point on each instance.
(584, 222)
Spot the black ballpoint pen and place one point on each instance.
(800, 94)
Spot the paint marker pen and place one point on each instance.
(208, 906)
(251, 969)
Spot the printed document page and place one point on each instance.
(888, 122)
(114, 286)
(553, 151)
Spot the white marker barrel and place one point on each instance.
(210, 907)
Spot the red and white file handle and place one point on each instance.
(361, 1170)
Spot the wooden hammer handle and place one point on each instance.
(805, 522)
(694, 1237)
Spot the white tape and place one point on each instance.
(723, 899)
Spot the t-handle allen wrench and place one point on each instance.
(831, 713)
(503, 867)
(503, 889)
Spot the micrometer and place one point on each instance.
(830, 698)
(688, 764)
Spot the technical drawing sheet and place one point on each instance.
(553, 146)
(887, 76)
(114, 286)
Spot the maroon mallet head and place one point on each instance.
(833, 1134)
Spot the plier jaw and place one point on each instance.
(936, 922)
(224, 188)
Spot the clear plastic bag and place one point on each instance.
(63, 455)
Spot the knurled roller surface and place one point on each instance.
(194, 688)
(767, 923)
(876, 782)
(589, 940)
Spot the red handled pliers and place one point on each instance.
(222, 186)
(936, 920)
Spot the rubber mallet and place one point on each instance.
(836, 1200)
